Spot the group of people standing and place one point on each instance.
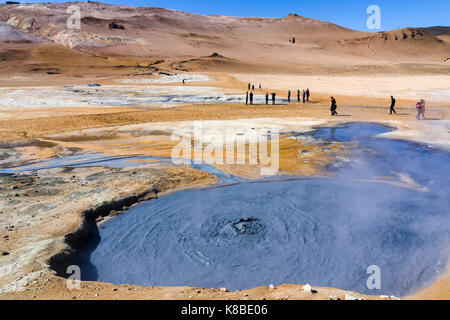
(273, 95)
(305, 94)
(300, 95)
(249, 97)
(251, 87)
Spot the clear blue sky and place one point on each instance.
(347, 13)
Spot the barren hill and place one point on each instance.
(439, 32)
(289, 44)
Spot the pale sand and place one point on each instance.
(428, 87)
(439, 290)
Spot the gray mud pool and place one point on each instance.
(325, 232)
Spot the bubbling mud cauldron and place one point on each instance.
(325, 232)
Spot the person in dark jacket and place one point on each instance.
(289, 96)
(251, 97)
(307, 94)
(267, 98)
(273, 97)
(298, 95)
(392, 105)
(246, 97)
(333, 106)
(304, 96)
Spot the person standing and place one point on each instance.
(267, 98)
(289, 96)
(249, 86)
(304, 96)
(420, 106)
(273, 98)
(422, 111)
(392, 110)
(251, 97)
(419, 112)
(260, 87)
(298, 95)
(307, 94)
(253, 87)
(333, 106)
(246, 97)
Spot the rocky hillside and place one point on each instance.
(274, 43)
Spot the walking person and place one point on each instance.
(333, 107)
(289, 96)
(304, 96)
(392, 110)
(298, 95)
(267, 98)
(246, 97)
(251, 97)
(249, 86)
(307, 94)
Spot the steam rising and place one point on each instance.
(325, 232)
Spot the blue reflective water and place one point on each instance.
(325, 232)
(96, 160)
(84, 160)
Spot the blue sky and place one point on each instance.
(347, 13)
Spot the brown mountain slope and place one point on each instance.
(437, 30)
(259, 44)
(25, 53)
(410, 44)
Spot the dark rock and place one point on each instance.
(114, 25)
(216, 55)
